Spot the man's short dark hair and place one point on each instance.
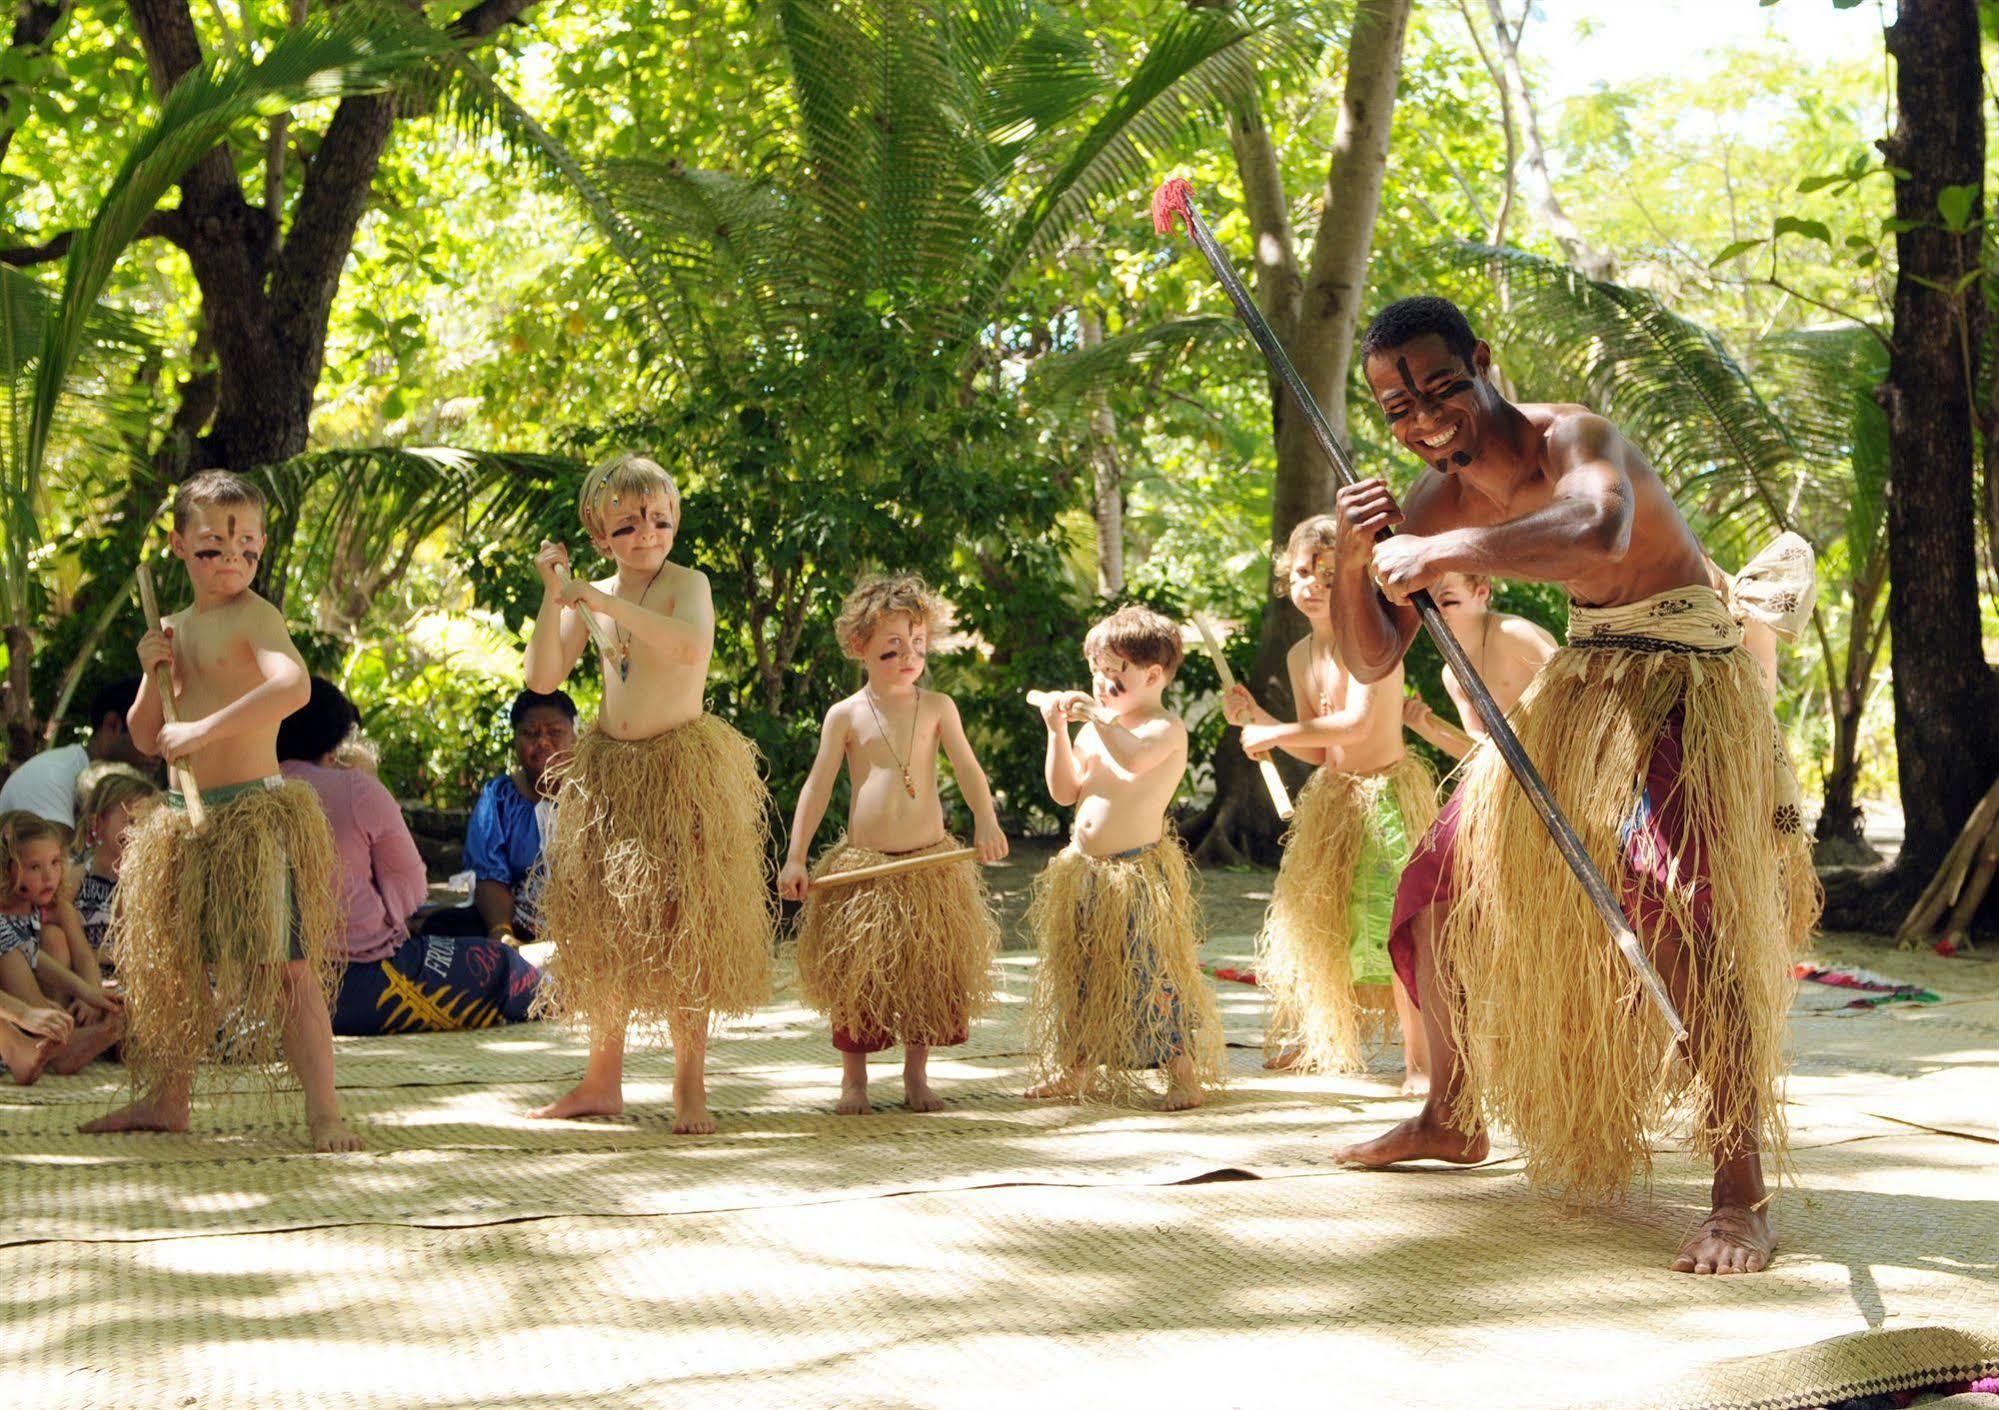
(1406, 320)
(541, 700)
(113, 698)
(319, 726)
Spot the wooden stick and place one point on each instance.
(600, 632)
(1948, 885)
(896, 867)
(1273, 782)
(163, 682)
(1095, 714)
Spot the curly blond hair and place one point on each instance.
(619, 475)
(1138, 635)
(17, 829)
(1312, 537)
(120, 783)
(881, 595)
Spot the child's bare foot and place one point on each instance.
(692, 1119)
(1422, 1137)
(330, 1135)
(917, 1096)
(1064, 1087)
(26, 1065)
(853, 1098)
(1182, 1096)
(1284, 1059)
(86, 1044)
(146, 1114)
(1733, 1238)
(584, 1099)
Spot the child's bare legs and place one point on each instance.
(1415, 1043)
(916, 1093)
(87, 1043)
(24, 1054)
(853, 1085)
(1431, 1134)
(1065, 1085)
(1281, 1049)
(1183, 1089)
(602, 1090)
(690, 1074)
(308, 1039)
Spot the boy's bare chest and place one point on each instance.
(214, 661)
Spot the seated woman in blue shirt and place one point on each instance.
(503, 840)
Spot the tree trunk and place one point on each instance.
(1946, 697)
(1839, 839)
(1315, 315)
(1107, 496)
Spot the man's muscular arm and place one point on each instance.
(1371, 632)
(1585, 524)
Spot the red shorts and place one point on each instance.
(1657, 849)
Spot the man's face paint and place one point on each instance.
(1429, 398)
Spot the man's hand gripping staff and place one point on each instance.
(1173, 202)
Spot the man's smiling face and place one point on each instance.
(1434, 403)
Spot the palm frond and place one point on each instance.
(1194, 67)
(1142, 354)
(1823, 383)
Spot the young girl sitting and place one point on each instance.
(119, 798)
(41, 939)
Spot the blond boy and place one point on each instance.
(223, 931)
(900, 958)
(656, 896)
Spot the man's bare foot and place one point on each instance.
(146, 1114)
(692, 1119)
(25, 1071)
(330, 1135)
(87, 1044)
(1415, 1084)
(1733, 1238)
(853, 1099)
(1284, 1059)
(1065, 1087)
(917, 1096)
(1421, 1137)
(583, 1099)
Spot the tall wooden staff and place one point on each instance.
(1173, 202)
(163, 682)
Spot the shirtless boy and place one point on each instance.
(656, 896)
(897, 959)
(1119, 987)
(1532, 1018)
(1365, 804)
(1505, 650)
(230, 922)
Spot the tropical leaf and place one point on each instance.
(1142, 354)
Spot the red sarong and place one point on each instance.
(1660, 857)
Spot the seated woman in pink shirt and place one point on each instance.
(393, 982)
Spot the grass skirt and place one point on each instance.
(1559, 1045)
(204, 923)
(1327, 927)
(906, 957)
(657, 898)
(1119, 987)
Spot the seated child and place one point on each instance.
(1119, 986)
(42, 946)
(118, 799)
(656, 899)
(30, 1034)
(1366, 804)
(897, 959)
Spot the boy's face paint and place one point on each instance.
(896, 652)
(1308, 586)
(639, 529)
(1433, 402)
(222, 546)
(38, 872)
(1114, 681)
(1458, 600)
